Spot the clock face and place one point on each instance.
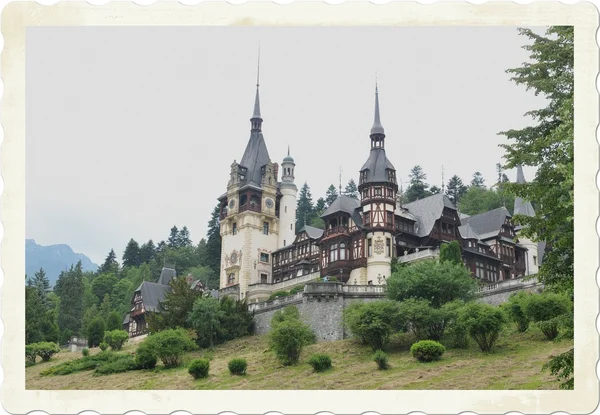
(269, 203)
(231, 204)
(234, 258)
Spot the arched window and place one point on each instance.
(342, 251)
(231, 278)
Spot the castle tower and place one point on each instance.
(249, 216)
(378, 189)
(287, 203)
(524, 208)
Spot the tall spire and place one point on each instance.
(377, 127)
(520, 176)
(256, 118)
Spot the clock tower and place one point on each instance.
(249, 213)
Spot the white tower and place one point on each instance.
(523, 207)
(287, 203)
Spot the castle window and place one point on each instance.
(264, 257)
(285, 209)
(266, 228)
(342, 251)
(290, 226)
(480, 270)
(263, 278)
(234, 229)
(370, 247)
(333, 253)
(388, 247)
(378, 191)
(367, 218)
(534, 260)
(390, 219)
(231, 278)
(284, 243)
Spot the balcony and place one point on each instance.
(251, 207)
(429, 253)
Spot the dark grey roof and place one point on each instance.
(166, 275)
(255, 157)
(288, 158)
(467, 232)
(126, 319)
(463, 215)
(152, 293)
(427, 211)
(312, 232)
(522, 207)
(377, 165)
(541, 252)
(487, 223)
(256, 113)
(342, 203)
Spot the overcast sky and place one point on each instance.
(133, 130)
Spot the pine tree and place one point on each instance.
(435, 190)
(132, 254)
(478, 180)
(351, 189)
(456, 189)
(320, 206)
(175, 307)
(147, 252)
(184, 237)
(34, 310)
(173, 241)
(110, 264)
(417, 188)
(41, 281)
(305, 209)
(213, 242)
(331, 195)
(70, 288)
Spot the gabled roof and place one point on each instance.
(377, 165)
(254, 158)
(487, 224)
(428, 210)
(342, 203)
(126, 319)
(152, 293)
(466, 232)
(166, 275)
(311, 231)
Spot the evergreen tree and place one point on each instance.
(102, 285)
(435, 190)
(417, 188)
(34, 310)
(184, 237)
(160, 247)
(213, 242)
(305, 208)
(202, 252)
(320, 206)
(132, 254)
(41, 282)
(110, 264)
(351, 189)
(175, 307)
(173, 241)
(331, 195)
(147, 252)
(456, 189)
(70, 288)
(451, 252)
(478, 180)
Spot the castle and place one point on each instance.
(262, 252)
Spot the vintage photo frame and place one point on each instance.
(18, 16)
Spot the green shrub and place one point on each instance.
(456, 329)
(170, 345)
(427, 350)
(145, 357)
(85, 351)
(237, 366)
(547, 310)
(297, 289)
(373, 322)
(289, 335)
(198, 368)
(95, 332)
(515, 310)
(278, 294)
(31, 352)
(381, 358)
(116, 339)
(320, 362)
(116, 364)
(483, 322)
(46, 350)
(103, 346)
(113, 321)
(78, 365)
(423, 320)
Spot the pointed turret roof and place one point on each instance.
(377, 127)
(522, 207)
(256, 113)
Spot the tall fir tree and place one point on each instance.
(331, 195)
(173, 241)
(351, 189)
(110, 264)
(184, 237)
(478, 180)
(147, 252)
(70, 288)
(132, 254)
(417, 188)
(213, 241)
(456, 189)
(435, 190)
(305, 208)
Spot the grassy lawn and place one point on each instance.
(516, 363)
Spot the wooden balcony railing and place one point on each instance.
(251, 207)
